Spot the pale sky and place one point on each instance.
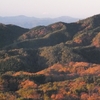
(50, 8)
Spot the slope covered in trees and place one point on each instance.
(60, 61)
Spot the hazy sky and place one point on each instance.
(50, 8)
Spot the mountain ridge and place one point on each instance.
(72, 36)
(30, 22)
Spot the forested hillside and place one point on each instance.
(60, 61)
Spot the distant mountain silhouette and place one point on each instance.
(30, 22)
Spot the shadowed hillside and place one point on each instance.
(36, 59)
(9, 34)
